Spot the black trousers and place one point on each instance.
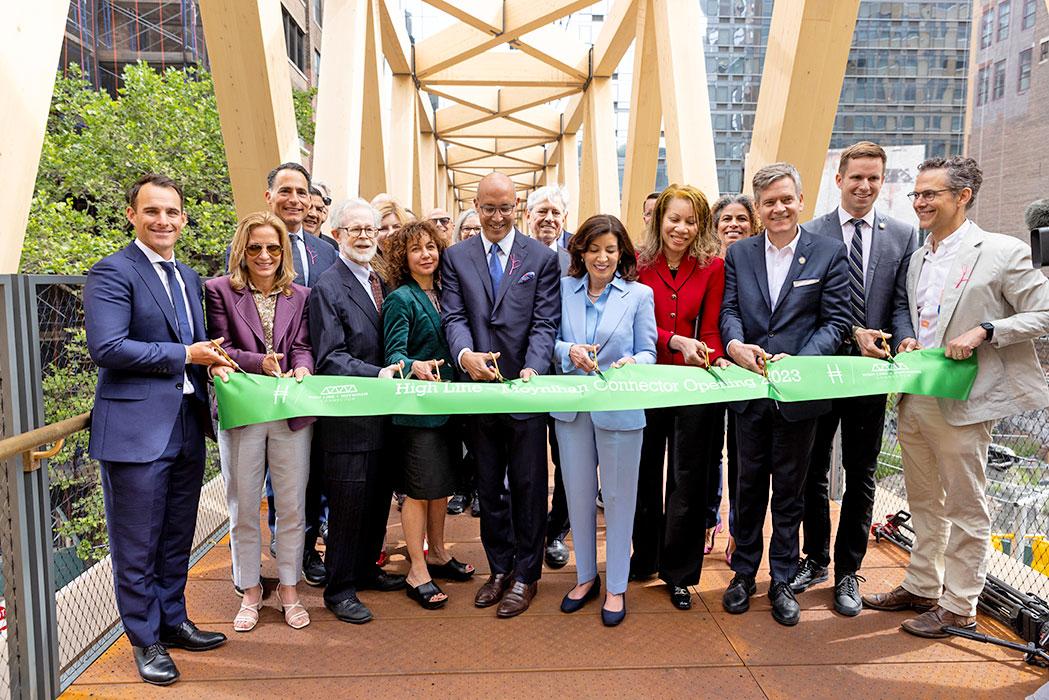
(359, 491)
(669, 535)
(861, 419)
(771, 448)
(557, 519)
(465, 468)
(513, 523)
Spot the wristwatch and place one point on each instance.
(989, 327)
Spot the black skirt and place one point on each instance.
(428, 465)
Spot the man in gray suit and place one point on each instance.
(969, 291)
(879, 251)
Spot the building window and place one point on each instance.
(983, 85)
(294, 42)
(1023, 82)
(1043, 50)
(999, 81)
(1004, 11)
(316, 66)
(318, 11)
(986, 29)
(1030, 8)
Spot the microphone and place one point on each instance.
(1036, 217)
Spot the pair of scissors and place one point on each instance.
(597, 369)
(495, 365)
(225, 356)
(888, 348)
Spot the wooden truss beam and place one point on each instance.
(642, 145)
(484, 15)
(396, 46)
(801, 81)
(599, 178)
(403, 161)
(510, 68)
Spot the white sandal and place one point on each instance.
(295, 615)
(247, 617)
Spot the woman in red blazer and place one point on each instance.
(678, 260)
(261, 316)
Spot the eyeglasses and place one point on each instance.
(927, 195)
(443, 220)
(505, 210)
(358, 231)
(254, 250)
(327, 201)
(472, 230)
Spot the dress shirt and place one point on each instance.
(932, 280)
(552, 245)
(848, 231)
(304, 255)
(594, 311)
(362, 273)
(505, 246)
(155, 259)
(777, 265)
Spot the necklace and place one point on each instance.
(594, 297)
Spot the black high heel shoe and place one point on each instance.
(611, 619)
(571, 605)
(424, 595)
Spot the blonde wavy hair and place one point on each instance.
(705, 246)
(238, 259)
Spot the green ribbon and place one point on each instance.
(243, 401)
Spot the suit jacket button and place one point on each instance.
(673, 296)
(179, 386)
(673, 315)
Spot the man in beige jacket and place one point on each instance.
(969, 291)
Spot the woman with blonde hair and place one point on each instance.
(679, 261)
(261, 314)
(392, 217)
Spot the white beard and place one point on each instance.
(359, 257)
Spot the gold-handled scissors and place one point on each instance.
(225, 356)
(436, 370)
(597, 369)
(710, 365)
(495, 365)
(888, 348)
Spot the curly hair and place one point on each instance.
(395, 253)
(705, 245)
(961, 173)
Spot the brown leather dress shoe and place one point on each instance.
(517, 599)
(492, 590)
(931, 624)
(898, 599)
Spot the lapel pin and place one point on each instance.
(801, 260)
(881, 225)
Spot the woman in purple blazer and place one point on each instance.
(261, 314)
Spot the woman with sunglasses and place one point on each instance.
(261, 314)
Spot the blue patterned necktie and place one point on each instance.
(856, 299)
(494, 269)
(178, 301)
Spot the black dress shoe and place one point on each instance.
(847, 595)
(681, 597)
(785, 608)
(808, 574)
(736, 598)
(313, 570)
(611, 619)
(351, 610)
(556, 554)
(457, 504)
(187, 636)
(383, 582)
(475, 506)
(324, 532)
(571, 605)
(155, 665)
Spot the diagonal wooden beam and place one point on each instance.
(513, 99)
(396, 46)
(479, 97)
(687, 128)
(555, 47)
(544, 119)
(642, 143)
(480, 143)
(484, 15)
(460, 42)
(599, 176)
(501, 69)
(498, 163)
(458, 155)
(496, 128)
(448, 119)
(801, 81)
(508, 145)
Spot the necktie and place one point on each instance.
(859, 312)
(178, 301)
(373, 280)
(494, 269)
(296, 259)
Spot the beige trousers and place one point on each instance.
(944, 468)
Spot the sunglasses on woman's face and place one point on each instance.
(254, 250)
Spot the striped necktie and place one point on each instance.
(856, 302)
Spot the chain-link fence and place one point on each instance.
(1017, 489)
(88, 621)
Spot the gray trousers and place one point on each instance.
(245, 452)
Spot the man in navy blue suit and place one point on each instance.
(501, 311)
(144, 317)
(786, 293)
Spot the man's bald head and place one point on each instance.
(496, 204)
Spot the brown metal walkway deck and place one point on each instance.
(463, 652)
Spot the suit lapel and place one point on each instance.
(148, 274)
(359, 296)
(957, 279)
(577, 310)
(249, 313)
(514, 267)
(195, 293)
(761, 275)
(424, 301)
(878, 243)
(684, 271)
(801, 253)
(282, 316)
(913, 273)
(615, 308)
(476, 251)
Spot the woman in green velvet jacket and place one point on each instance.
(411, 316)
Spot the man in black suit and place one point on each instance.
(786, 293)
(879, 252)
(346, 333)
(502, 309)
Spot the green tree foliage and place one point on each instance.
(304, 115)
(95, 147)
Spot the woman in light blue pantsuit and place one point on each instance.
(607, 320)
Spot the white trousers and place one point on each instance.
(245, 452)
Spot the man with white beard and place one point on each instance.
(346, 332)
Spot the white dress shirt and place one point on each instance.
(777, 265)
(932, 280)
(505, 246)
(304, 254)
(362, 273)
(848, 232)
(155, 259)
